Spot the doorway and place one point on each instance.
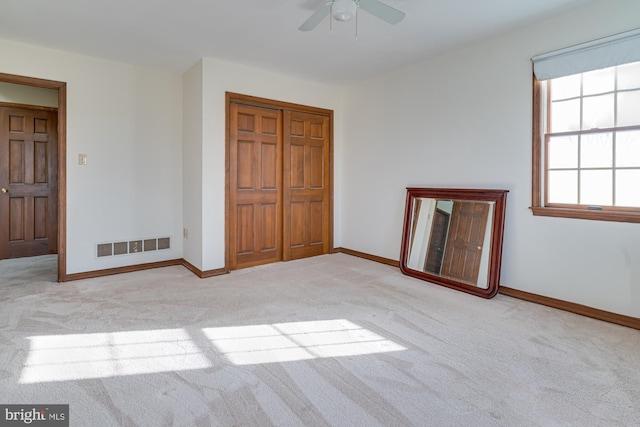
(28, 181)
(437, 241)
(279, 191)
(46, 214)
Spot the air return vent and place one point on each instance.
(164, 243)
(132, 246)
(150, 245)
(105, 249)
(135, 246)
(120, 248)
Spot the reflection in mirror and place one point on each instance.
(453, 237)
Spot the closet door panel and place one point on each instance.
(316, 221)
(255, 186)
(306, 194)
(296, 224)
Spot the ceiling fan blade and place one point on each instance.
(316, 18)
(385, 12)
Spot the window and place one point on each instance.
(586, 148)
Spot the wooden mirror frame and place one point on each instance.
(495, 256)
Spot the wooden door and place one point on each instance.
(306, 185)
(464, 242)
(28, 178)
(255, 180)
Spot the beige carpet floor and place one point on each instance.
(327, 341)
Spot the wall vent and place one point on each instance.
(164, 243)
(120, 248)
(150, 245)
(135, 246)
(105, 249)
(132, 246)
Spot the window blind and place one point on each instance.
(614, 50)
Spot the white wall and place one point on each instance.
(20, 94)
(192, 163)
(218, 78)
(464, 120)
(128, 120)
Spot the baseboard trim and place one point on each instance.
(120, 270)
(140, 267)
(381, 260)
(583, 310)
(203, 274)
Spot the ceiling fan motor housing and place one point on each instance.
(344, 10)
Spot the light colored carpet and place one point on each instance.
(332, 340)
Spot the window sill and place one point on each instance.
(617, 216)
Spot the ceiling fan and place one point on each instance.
(345, 10)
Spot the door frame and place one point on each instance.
(237, 98)
(62, 159)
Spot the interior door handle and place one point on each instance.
(4, 190)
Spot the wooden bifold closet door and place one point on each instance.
(255, 180)
(306, 185)
(279, 185)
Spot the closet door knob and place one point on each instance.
(4, 190)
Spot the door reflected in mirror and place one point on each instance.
(453, 237)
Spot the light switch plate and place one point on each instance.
(82, 159)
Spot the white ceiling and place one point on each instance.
(174, 34)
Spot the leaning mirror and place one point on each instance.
(453, 237)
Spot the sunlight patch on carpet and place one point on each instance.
(101, 355)
(285, 342)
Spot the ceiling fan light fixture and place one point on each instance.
(344, 10)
